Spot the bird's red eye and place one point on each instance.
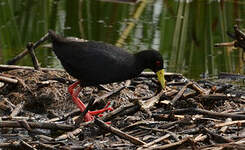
(158, 63)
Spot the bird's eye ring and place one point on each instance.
(158, 63)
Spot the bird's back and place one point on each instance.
(94, 62)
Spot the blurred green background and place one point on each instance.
(184, 31)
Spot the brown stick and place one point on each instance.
(5, 107)
(25, 125)
(33, 56)
(152, 74)
(118, 132)
(139, 123)
(9, 80)
(216, 96)
(180, 93)
(16, 118)
(26, 146)
(23, 145)
(216, 137)
(130, 110)
(116, 112)
(13, 67)
(171, 145)
(73, 133)
(42, 137)
(201, 90)
(206, 112)
(46, 146)
(65, 116)
(69, 134)
(148, 104)
(8, 102)
(199, 138)
(225, 44)
(154, 142)
(13, 145)
(17, 109)
(42, 125)
(109, 94)
(23, 53)
(229, 123)
(224, 128)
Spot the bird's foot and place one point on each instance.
(88, 117)
(90, 114)
(107, 107)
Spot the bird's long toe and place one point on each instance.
(107, 107)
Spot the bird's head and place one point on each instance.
(153, 60)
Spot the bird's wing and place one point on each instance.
(96, 58)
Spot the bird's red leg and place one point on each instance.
(71, 87)
(81, 105)
(77, 101)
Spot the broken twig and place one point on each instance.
(118, 132)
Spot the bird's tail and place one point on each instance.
(55, 37)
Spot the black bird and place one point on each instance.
(94, 63)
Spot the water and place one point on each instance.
(183, 31)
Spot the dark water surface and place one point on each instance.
(184, 31)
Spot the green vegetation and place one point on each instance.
(184, 32)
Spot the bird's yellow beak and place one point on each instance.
(160, 77)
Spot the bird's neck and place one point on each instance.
(140, 62)
(142, 59)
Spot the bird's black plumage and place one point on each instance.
(96, 63)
